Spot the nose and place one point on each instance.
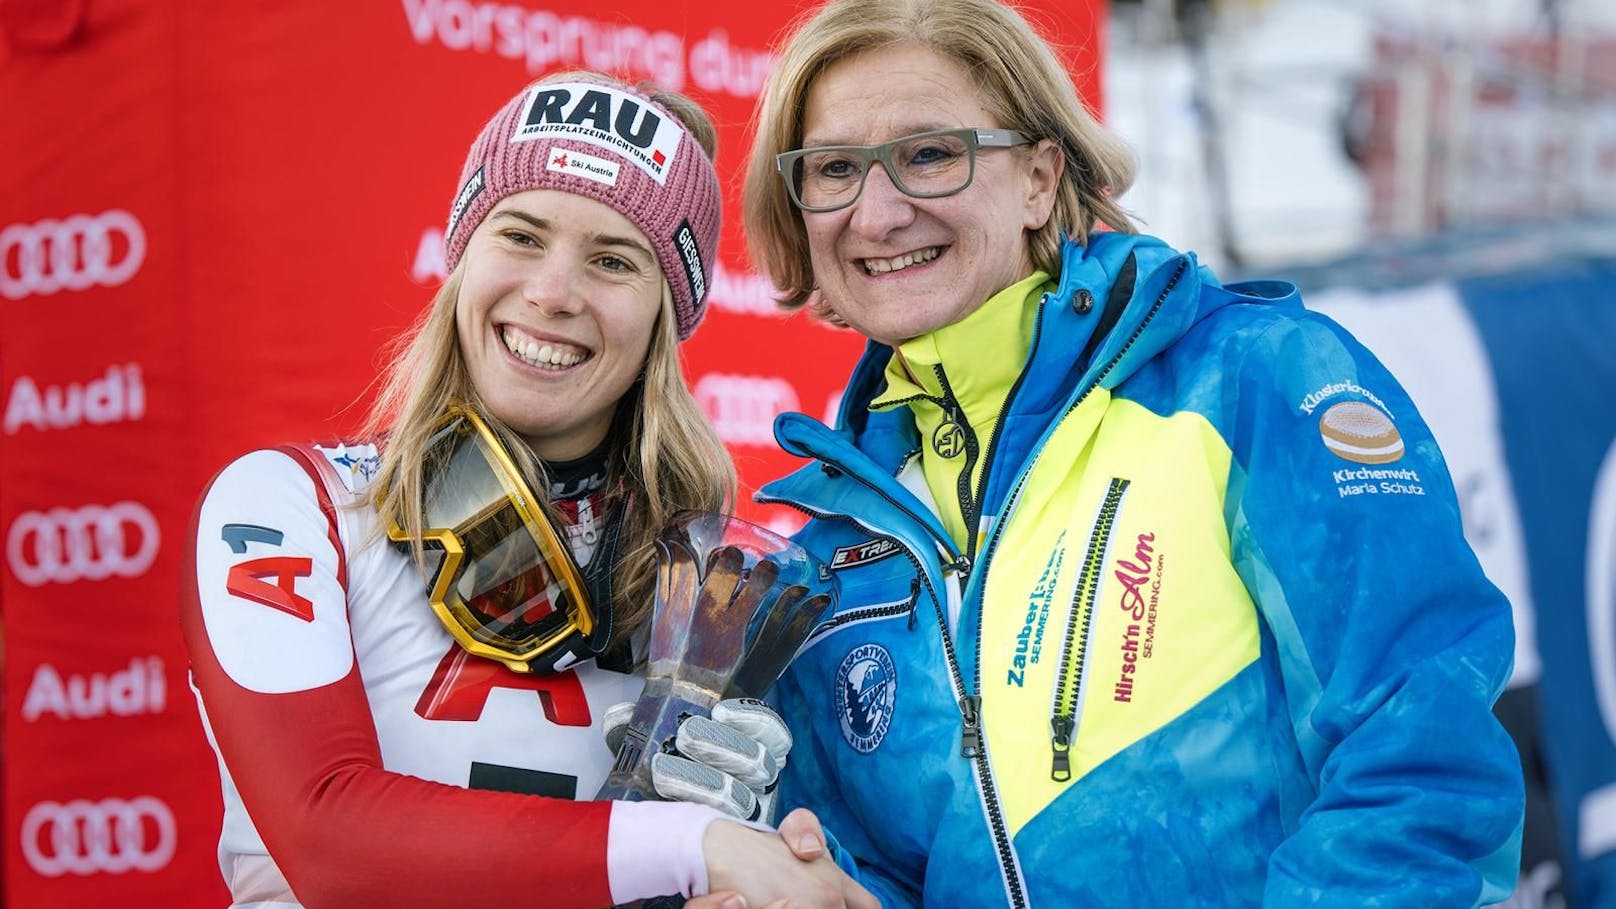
(881, 208)
(552, 286)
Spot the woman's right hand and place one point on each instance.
(762, 869)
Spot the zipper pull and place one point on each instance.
(961, 565)
(914, 598)
(970, 726)
(1061, 742)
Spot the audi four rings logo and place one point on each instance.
(113, 836)
(91, 543)
(74, 253)
(743, 408)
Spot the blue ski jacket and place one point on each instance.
(1221, 641)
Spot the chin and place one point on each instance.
(914, 328)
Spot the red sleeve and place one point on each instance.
(343, 830)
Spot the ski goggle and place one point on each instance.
(505, 584)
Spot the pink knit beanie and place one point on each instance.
(601, 139)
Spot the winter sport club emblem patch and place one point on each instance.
(866, 691)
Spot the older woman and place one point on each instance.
(413, 723)
(1154, 589)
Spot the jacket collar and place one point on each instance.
(1121, 300)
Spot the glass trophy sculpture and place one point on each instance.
(734, 603)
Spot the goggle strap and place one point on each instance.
(600, 578)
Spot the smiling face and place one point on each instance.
(894, 267)
(558, 299)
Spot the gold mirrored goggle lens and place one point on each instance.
(509, 594)
(506, 585)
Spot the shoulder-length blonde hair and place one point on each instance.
(1021, 80)
(662, 454)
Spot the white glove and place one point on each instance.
(729, 762)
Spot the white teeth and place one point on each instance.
(552, 356)
(898, 263)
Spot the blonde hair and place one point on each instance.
(662, 454)
(1024, 86)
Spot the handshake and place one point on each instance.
(730, 762)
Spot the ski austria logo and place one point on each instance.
(1356, 431)
(75, 253)
(113, 836)
(603, 117)
(578, 164)
(866, 691)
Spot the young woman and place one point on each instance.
(1154, 591)
(403, 646)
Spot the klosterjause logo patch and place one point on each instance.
(866, 692)
(1360, 432)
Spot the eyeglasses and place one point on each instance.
(925, 166)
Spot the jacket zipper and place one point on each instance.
(998, 424)
(970, 705)
(871, 612)
(1012, 872)
(920, 570)
(953, 412)
(1020, 484)
(1068, 678)
(972, 745)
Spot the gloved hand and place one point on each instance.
(729, 762)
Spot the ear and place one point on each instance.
(821, 308)
(1044, 166)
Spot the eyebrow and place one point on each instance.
(600, 239)
(911, 130)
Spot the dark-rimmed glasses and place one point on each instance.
(925, 165)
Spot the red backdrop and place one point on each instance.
(213, 216)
